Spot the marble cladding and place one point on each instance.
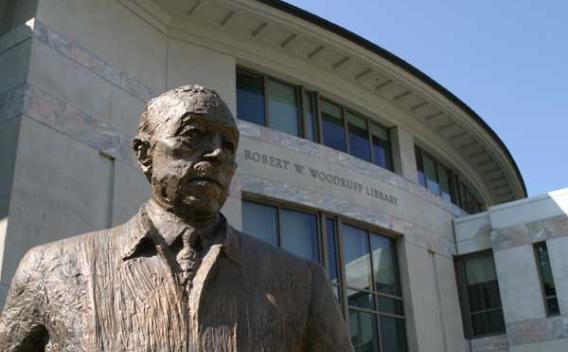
(537, 330)
(12, 104)
(498, 343)
(330, 155)
(531, 232)
(75, 52)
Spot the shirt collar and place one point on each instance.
(144, 226)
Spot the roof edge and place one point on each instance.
(367, 44)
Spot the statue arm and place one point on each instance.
(21, 324)
(326, 329)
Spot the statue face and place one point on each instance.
(192, 159)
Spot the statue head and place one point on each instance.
(186, 146)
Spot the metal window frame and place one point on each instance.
(461, 278)
(545, 298)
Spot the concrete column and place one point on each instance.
(404, 158)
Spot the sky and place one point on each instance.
(506, 59)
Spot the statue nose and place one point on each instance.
(215, 150)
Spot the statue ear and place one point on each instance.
(142, 151)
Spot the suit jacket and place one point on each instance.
(114, 291)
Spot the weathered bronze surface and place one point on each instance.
(175, 277)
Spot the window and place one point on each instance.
(294, 110)
(479, 295)
(442, 182)
(361, 265)
(546, 279)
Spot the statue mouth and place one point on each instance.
(206, 179)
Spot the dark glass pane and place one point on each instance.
(332, 250)
(282, 107)
(358, 137)
(430, 172)
(332, 126)
(488, 323)
(393, 334)
(299, 234)
(543, 263)
(357, 258)
(381, 146)
(481, 280)
(335, 290)
(444, 179)
(384, 264)
(552, 307)
(420, 167)
(260, 221)
(360, 299)
(310, 116)
(390, 305)
(250, 98)
(363, 327)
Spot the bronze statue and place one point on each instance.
(175, 277)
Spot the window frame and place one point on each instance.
(545, 298)
(318, 137)
(461, 278)
(339, 220)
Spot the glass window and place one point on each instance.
(363, 328)
(546, 279)
(385, 271)
(261, 221)
(331, 250)
(358, 137)
(332, 126)
(420, 167)
(430, 173)
(393, 334)
(444, 180)
(299, 234)
(356, 257)
(250, 98)
(282, 107)
(480, 295)
(381, 146)
(310, 116)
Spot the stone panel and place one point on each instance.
(189, 63)
(130, 191)
(404, 156)
(530, 232)
(125, 112)
(548, 346)
(537, 330)
(497, 343)
(113, 32)
(558, 253)
(69, 81)
(472, 233)
(519, 284)
(51, 197)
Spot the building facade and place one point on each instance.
(349, 156)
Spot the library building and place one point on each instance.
(348, 156)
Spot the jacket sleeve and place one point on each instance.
(21, 328)
(326, 329)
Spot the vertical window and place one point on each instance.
(546, 279)
(332, 126)
(479, 294)
(358, 137)
(420, 167)
(283, 113)
(250, 97)
(373, 291)
(431, 174)
(444, 181)
(381, 146)
(332, 254)
(310, 115)
(261, 221)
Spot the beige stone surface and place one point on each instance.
(404, 157)
(473, 233)
(51, 197)
(130, 191)
(125, 111)
(70, 82)
(547, 346)
(519, 284)
(114, 33)
(188, 63)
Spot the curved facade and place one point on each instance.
(348, 155)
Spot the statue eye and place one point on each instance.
(194, 132)
(230, 146)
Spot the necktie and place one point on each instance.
(188, 256)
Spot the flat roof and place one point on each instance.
(332, 27)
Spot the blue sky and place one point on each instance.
(506, 59)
